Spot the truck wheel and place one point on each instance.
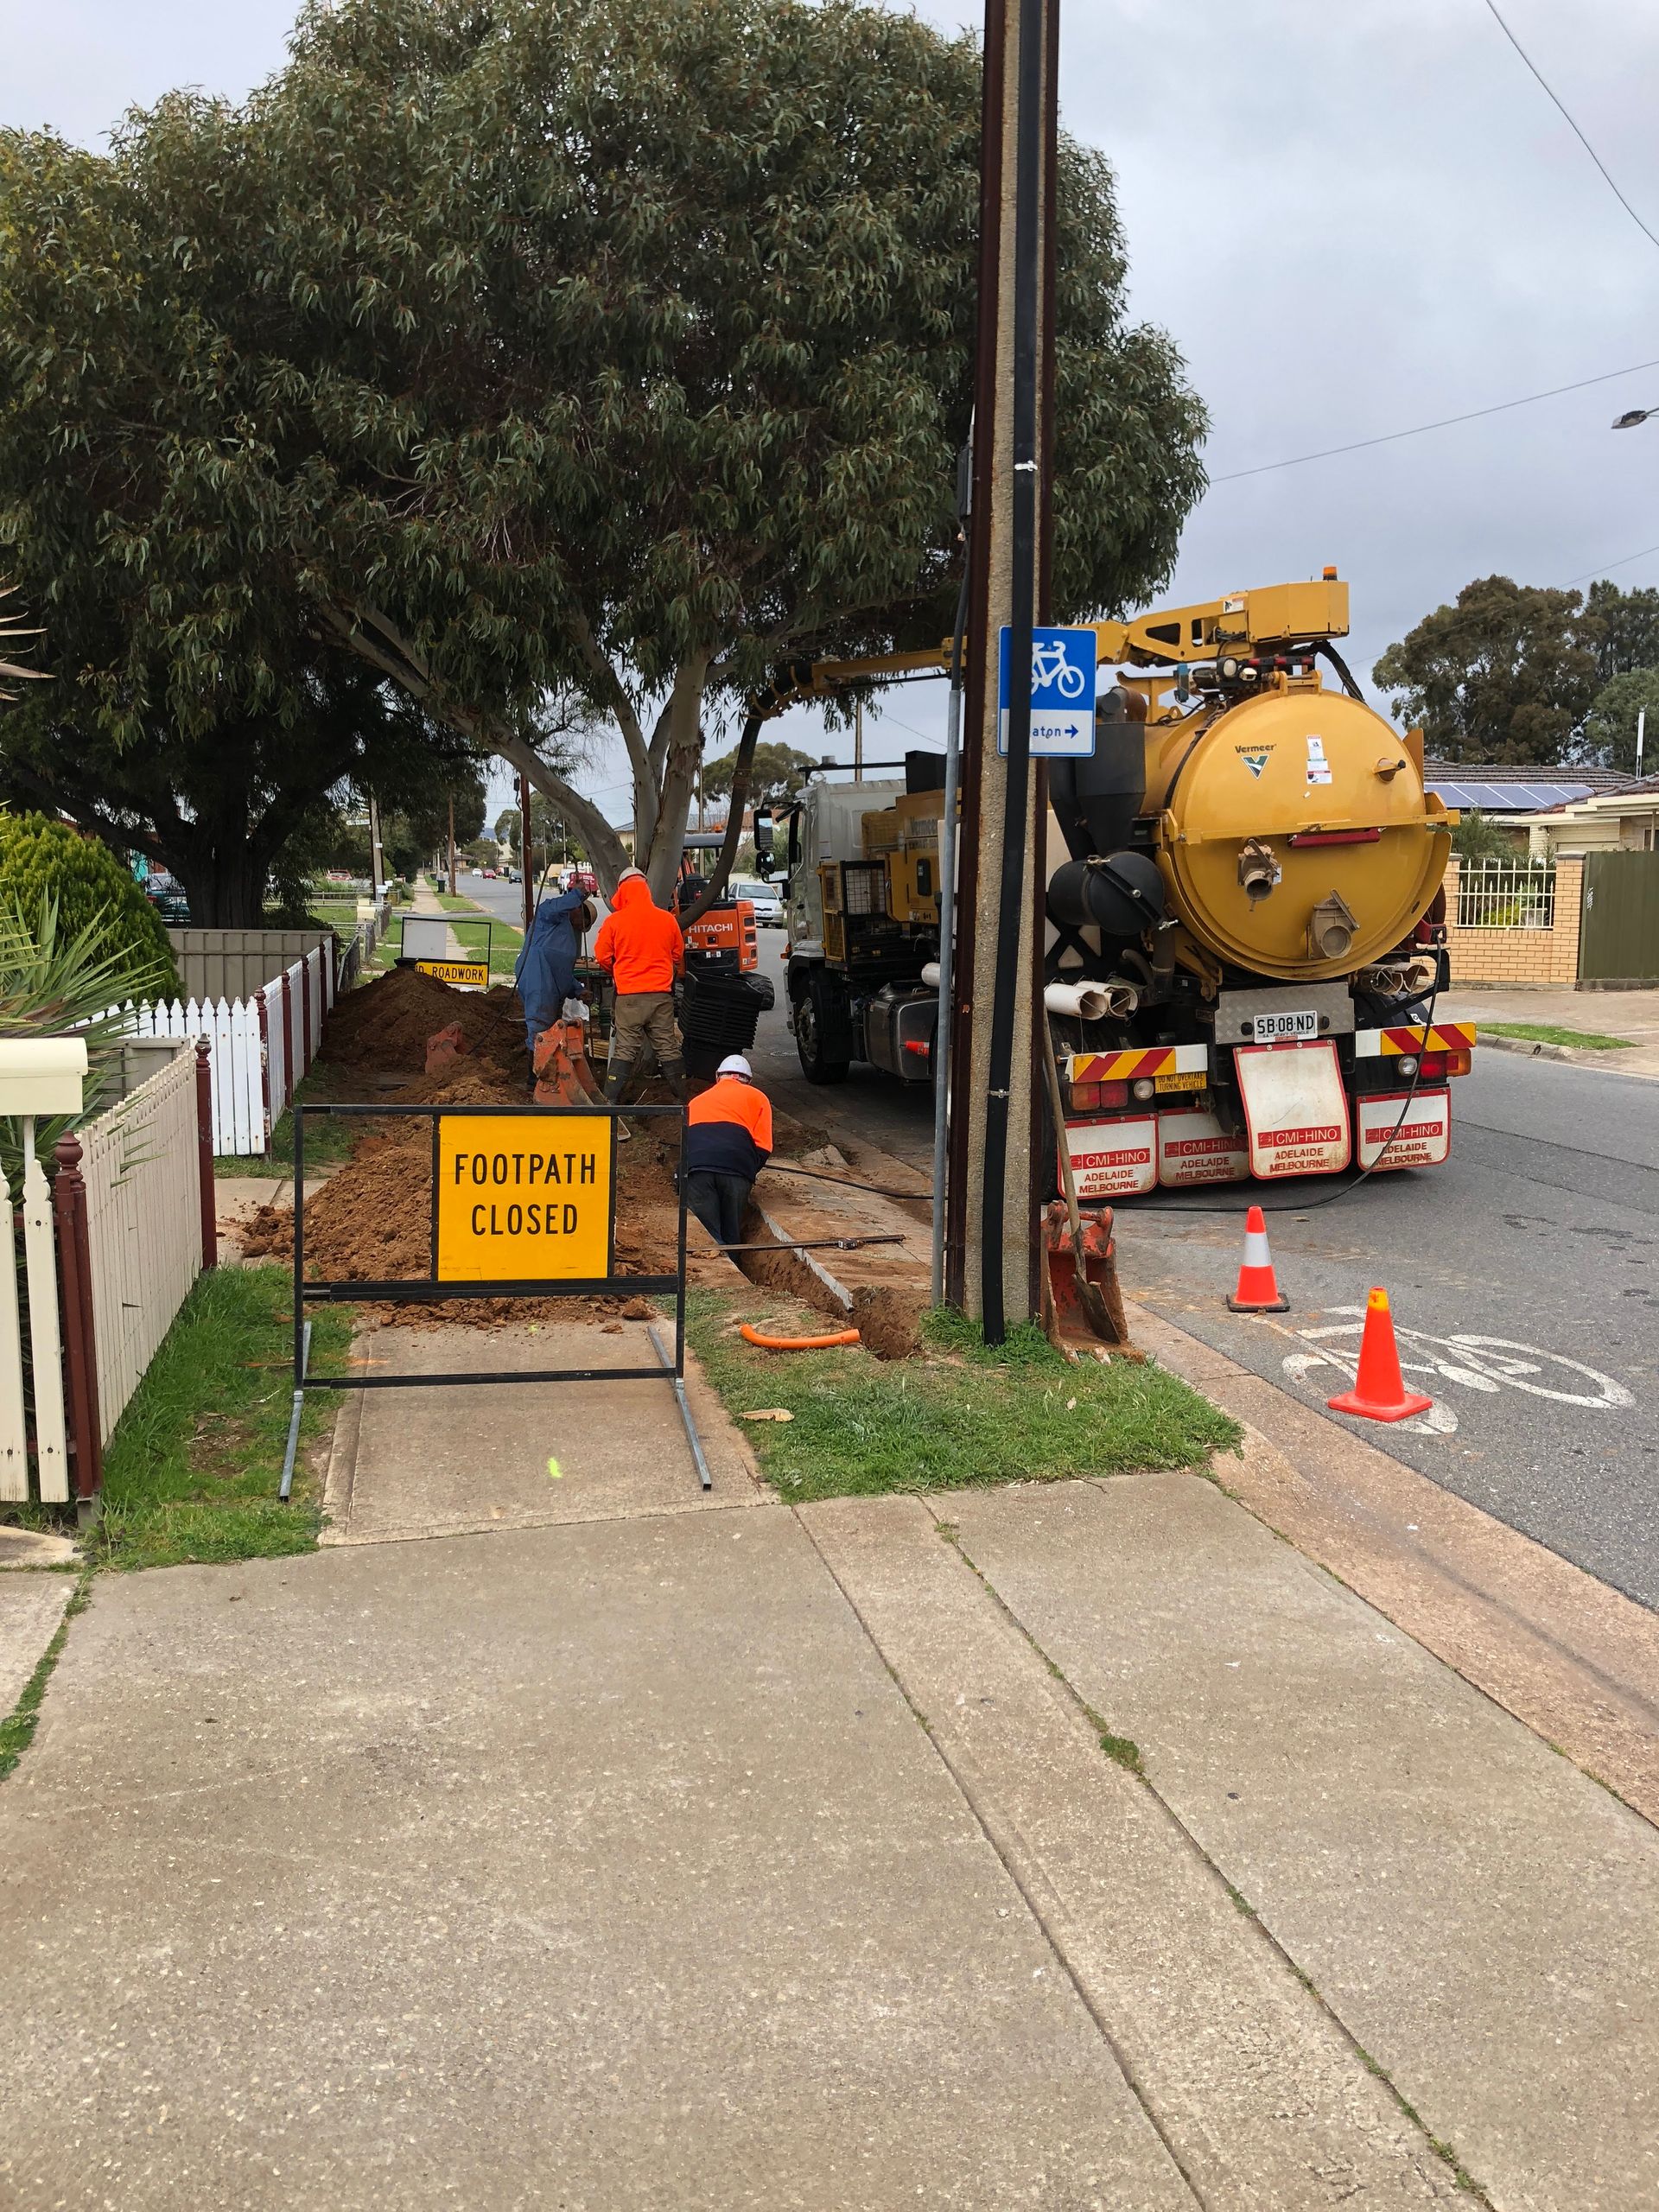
(816, 1066)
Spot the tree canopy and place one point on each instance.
(557, 360)
(775, 774)
(1517, 673)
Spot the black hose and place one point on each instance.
(1028, 149)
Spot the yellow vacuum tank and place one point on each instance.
(1296, 837)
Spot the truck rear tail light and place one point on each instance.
(1143, 1087)
(920, 1046)
(1445, 1064)
(1097, 1095)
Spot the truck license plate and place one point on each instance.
(1286, 1028)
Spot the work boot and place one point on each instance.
(674, 1077)
(616, 1082)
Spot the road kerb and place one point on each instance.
(1576, 1661)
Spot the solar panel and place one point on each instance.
(1506, 798)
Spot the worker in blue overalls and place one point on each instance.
(545, 971)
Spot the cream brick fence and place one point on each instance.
(1508, 922)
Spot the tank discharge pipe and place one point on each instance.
(1081, 1002)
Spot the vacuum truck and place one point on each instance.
(1244, 935)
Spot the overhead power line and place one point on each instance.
(1591, 574)
(1555, 98)
(1391, 437)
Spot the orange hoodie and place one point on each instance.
(640, 942)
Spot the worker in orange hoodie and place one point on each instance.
(642, 946)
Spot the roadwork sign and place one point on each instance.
(1063, 672)
(524, 1198)
(523, 1205)
(465, 974)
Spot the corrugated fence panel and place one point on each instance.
(143, 1225)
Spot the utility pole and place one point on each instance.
(995, 1127)
(525, 868)
(858, 741)
(452, 848)
(377, 856)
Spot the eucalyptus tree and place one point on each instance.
(639, 341)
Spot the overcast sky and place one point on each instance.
(1352, 219)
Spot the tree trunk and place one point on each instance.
(224, 879)
(681, 761)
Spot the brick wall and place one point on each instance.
(1518, 955)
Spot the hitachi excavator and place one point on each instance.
(1244, 906)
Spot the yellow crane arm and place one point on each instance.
(1271, 616)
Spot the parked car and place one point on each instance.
(763, 896)
(166, 895)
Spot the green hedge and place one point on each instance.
(40, 857)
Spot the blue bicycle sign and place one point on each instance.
(1063, 672)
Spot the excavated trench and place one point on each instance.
(888, 1317)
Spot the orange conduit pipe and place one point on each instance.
(798, 1344)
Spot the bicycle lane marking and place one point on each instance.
(1485, 1364)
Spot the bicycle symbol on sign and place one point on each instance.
(1049, 665)
(1484, 1363)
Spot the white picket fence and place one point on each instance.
(140, 1163)
(259, 1047)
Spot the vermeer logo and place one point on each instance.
(1256, 761)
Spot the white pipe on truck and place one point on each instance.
(1081, 1002)
(931, 974)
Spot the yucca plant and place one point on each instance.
(10, 629)
(53, 982)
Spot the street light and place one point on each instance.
(1632, 416)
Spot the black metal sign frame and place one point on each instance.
(464, 959)
(432, 1289)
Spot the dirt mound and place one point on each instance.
(387, 1023)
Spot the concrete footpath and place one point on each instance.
(1633, 1015)
(566, 1839)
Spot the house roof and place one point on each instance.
(1513, 789)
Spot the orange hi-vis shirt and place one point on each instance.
(728, 1129)
(639, 942)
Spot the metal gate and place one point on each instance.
(1618, 922)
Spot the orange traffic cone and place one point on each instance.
(1380, 1392)
(1258, 1290)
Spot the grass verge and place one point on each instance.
(1549, 1032)
(957, 1415)
(503, 939)
(191, 1472)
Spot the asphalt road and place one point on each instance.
(1523, 1275)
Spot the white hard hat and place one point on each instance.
(628, 872)
(734, 1064)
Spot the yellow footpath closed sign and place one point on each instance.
(523, 1198)
(474, 974)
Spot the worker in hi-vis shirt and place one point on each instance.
(728, 1142)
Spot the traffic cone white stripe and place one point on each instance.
(1258, 1290)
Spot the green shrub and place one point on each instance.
(41, 860)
